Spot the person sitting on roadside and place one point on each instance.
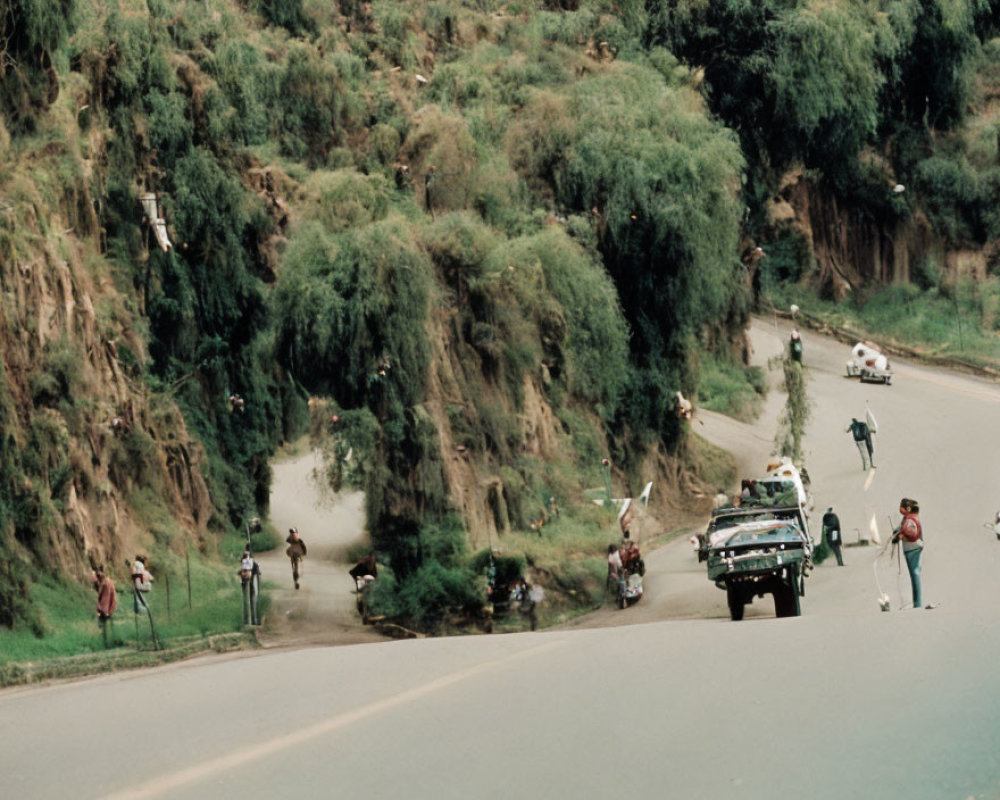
(365, 571)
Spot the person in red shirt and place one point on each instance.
(911, 534)
(107, 601)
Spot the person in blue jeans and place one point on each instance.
(911, 535)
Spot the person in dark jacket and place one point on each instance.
(795, 346)
(295, 551)
(831, 530)
(863, 439)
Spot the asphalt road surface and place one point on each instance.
(843, 702)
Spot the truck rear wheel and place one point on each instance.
(736, 603)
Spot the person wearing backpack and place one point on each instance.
(911, 535)
(863, 439)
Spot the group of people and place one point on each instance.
(107, 592)
(363, 572)
(623, 560)
(527, 597)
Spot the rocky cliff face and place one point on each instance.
(83, 433)
(852, 250)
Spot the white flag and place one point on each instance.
(872, 424)
(873, 527)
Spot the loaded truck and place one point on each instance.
(760, 547)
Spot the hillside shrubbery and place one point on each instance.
(553, 199)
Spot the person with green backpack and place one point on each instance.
(863, 439)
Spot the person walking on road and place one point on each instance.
(295, 551)
(863, 439)
(910, 534)
(831, 530)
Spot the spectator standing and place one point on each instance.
(249, 579)
(107, 602)
(142, 583)
(910, 534)
(831, 530)
(616, 570)
(795, 346)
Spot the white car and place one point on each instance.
(869, 363)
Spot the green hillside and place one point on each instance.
(472, 247)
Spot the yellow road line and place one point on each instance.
(199, 772)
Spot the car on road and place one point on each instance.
(869, 363)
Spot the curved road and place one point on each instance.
(845, 701)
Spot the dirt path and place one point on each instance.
(322, 612)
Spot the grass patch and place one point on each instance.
(731, 389)
(960, 319)
(71, 629)
(715, 466)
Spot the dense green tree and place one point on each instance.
(31, 31)
(660, 182)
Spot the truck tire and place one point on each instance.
(736, 603)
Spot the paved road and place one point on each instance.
(844, 701)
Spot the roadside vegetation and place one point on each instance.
(958, 320)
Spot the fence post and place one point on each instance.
(187, 558)
(246, 602)
(254, 596)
